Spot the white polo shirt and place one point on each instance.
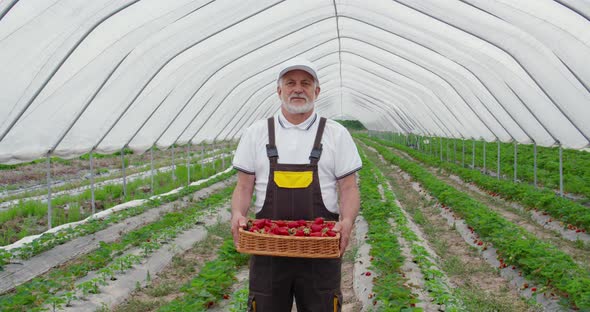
(339, 158)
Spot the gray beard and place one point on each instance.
(298, 109)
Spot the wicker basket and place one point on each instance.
(288, 246)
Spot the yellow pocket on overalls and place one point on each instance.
(293, 179)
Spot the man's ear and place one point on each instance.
(317, 91)
(279, 91)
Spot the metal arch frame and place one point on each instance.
(462, 66)
(7, 9)
(370, 104)
(339, 49)
(399, 121)
(87, 105)
(397, 85)
(440, 77)
(219, 69)
(582, 14)
(409, 78)
(569, 69)
(244, 80)
(91, 98)
(507, 53)
(402, 124)
(403, 119)
(173, 57)
(58, 67)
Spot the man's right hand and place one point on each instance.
(237, 222)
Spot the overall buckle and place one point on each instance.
(271, 151)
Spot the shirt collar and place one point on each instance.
(305, 125)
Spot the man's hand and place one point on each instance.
(344, 227)
(237, 222)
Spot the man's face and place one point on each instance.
(297, 91)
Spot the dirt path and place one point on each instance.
(16, 274)
(165, 286)
(479, 285)
(513, 213)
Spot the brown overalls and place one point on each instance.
(274, 281)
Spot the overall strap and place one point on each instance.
(271, 148)
(316, 152)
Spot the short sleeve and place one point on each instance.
(244, 157)
(348, 160)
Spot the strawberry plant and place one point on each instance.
(540, 261)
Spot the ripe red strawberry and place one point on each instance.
(281, 223)
(367, 273)
(331, 233)
(225, 296)
(299, 233)
(281, 231)
(316, 234)
(318, 220)
(293, 224)
(307, 231)
(316, 228)
(533, 289)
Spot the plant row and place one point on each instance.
(212, 283)
(540, 261)
(50, 240)
(576, 163)
(572, 213)
(434, 281)
(58, 284)
(387, 259)
(140, 166)
(28, 217)
(433, 277)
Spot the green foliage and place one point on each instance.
(352, 124)
(539, 261)
(212, 282)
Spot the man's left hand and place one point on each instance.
(344, 227)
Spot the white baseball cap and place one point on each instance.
(300, 64)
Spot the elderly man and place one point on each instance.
(297, 141)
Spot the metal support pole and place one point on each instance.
(173, 165)
(213, 156)
(454, 151)
(152, 168)
(560, 170)
(123, 169)
(441, 151)
(188, 165)
(498, 169)
(222, 156)
(202, 160)
(448, 152)
(463, 155)
(92, 199)
(473, 154)
(515, 161)
(535, 163)
(49, 212)
(484, 157)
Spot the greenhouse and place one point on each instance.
(135, 135)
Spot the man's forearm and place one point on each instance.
(349, 200)
(242, 195)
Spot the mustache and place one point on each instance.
(298, 95)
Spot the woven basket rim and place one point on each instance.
(291, 236)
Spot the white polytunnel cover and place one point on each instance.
(79, 76)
